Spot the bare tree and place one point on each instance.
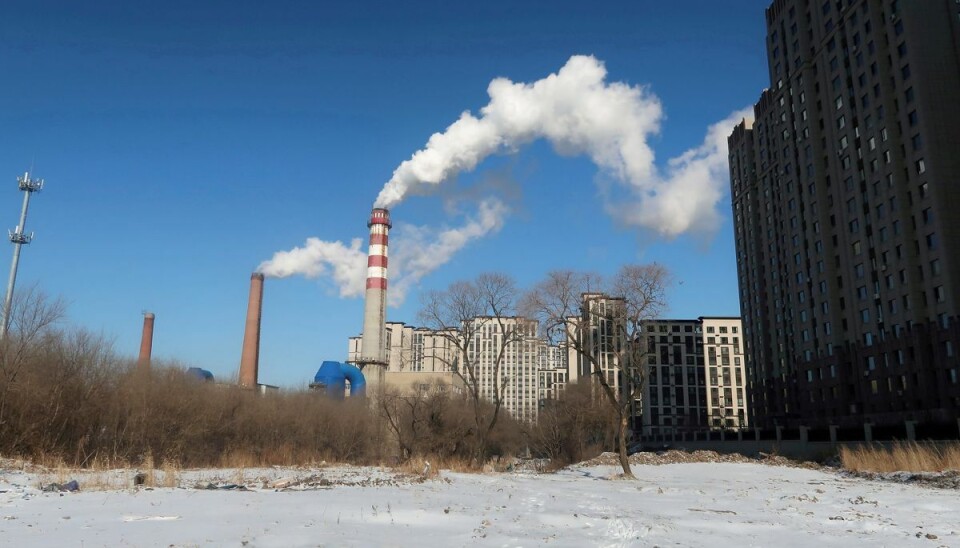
(465, 314)
(32, 317)
(569, 428)
(425, 421)
(603, 323)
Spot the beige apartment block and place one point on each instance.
(530, 372)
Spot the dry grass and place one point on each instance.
(171, 474)
(421, 466)
(907, 457)
(69, 402)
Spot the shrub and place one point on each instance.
(908, 457)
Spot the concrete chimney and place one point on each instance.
(146, 341)
(250, 356)
(373, 359)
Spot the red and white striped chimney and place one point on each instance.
(372, 349)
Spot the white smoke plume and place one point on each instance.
(348, 264)
(686, 197)
(580, 113)
(414, 253)
(575, 109)
(422, 250)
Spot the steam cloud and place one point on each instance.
(316, 258)
(415, 252)
(686, 198)
(420, 252)
(580, 113)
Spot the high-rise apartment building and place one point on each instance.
(506, 355)
(529, 371)
(846, 208)
(601, 332)
(410, 349)
(696, 376)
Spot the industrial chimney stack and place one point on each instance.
(146, 341)
(250, 356)
(372, 347)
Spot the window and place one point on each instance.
(921, 166)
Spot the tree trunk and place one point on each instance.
(622, 444)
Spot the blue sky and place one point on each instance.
(183, 143)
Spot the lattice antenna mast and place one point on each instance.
(18, 237)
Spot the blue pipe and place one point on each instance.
(358, 384)
(332, 377)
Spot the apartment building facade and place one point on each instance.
(529, 372)
(847, 215)
(696, 376)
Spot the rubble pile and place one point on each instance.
(940, 480)
(334, 477)
(678, 457)
(777, 460)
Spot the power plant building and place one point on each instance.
(847, 216)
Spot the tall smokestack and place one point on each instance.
(146, 341)
(372, 352)
(250, 356)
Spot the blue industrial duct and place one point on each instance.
(200, 374)
(332, 379)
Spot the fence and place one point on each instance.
(802, 442)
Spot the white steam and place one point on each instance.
(686, 197)
(414, 253)
(574, 109)
(348, 264)
(421, 250)
(580, 113)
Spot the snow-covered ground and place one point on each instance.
(692, 504)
